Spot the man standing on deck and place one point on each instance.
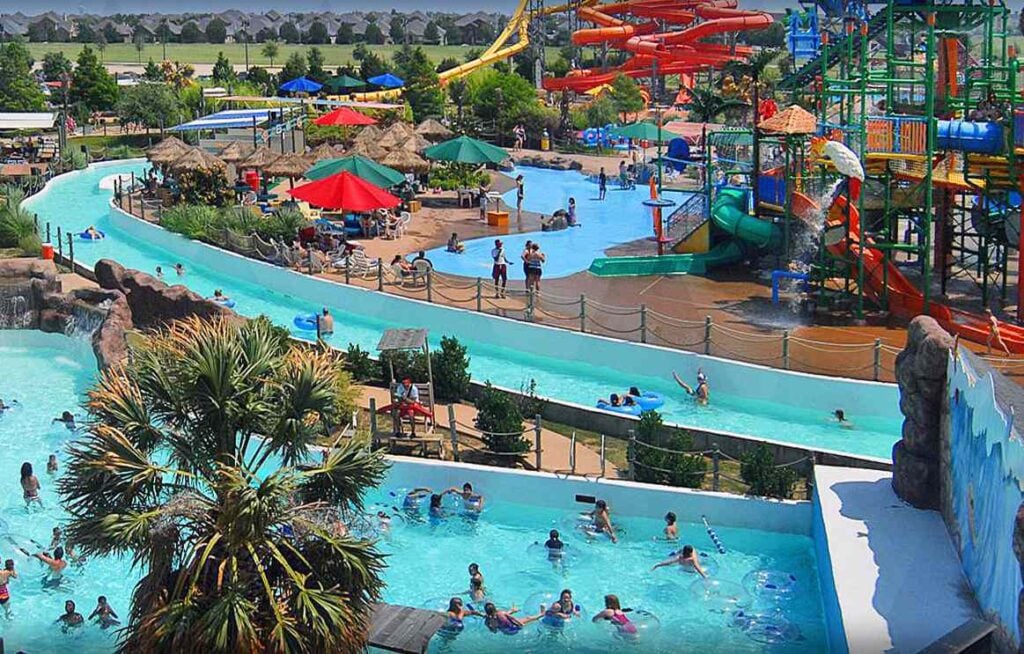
(499, 271)
(602, 184)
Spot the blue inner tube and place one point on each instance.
(86, 236)
(305, 321)
(634, 410)
(649, 400)
(229, 303)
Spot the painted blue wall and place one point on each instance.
(986, 488)
(826, 581)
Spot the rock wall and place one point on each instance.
(152, 302)
(921, 375)
(553, 163)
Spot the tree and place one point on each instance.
(18, 90)
(86, 33)
(270, 50)
(110, 33)
(422, 89)
(447, 64)
(290, 33)
(153, 104)
(140, 44)
(317, 33)
(152, 72)
(223, 73)
(92, 87)
(625, 94)
(266, 34)
(458, 93)
(773, 36)
(216, 31)
(666, 460)
(163, 32)
(261, 78)
(431, 34)
(600, 112)
(757, 468)
(315, 65)
(345, 34)
(374, 34)
(294, 67)
(396, 29)
(39, 31)
(450, 365)
(706, 104)
(190, 33)
(500, 97)
(100, 43)
(501, 422)
(55, 66)
(371, 66)
(197, 466)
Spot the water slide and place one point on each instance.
(905, 300)
(652, 42)
(737, 233)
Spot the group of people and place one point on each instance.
(533, 261)
(179, 269)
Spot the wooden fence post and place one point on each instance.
(878, 359)
(716, 459)
(643, 323)
(430, 286)
(479, 294)
(380, 275)
(785, 349)
(707, 334)
(583, 313)
(454, 432)
(631, 455)
(536, 439)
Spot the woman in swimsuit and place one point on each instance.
(613, 613)
(6, 575)
(457, 614)
(504, 621)
(701, 393)
(603, 520)
(436, 512)
(561, 611)
(687, 559)
(29, 485)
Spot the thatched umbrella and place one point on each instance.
(791, 120)
(288, 165)
(235, 151)
(433, 130)
(414, 143)
(167, 150)
(197, 159)
(406, 161)
(368, 150)
(368, 134)
(321, 152)
(395, 135)
(259, 159)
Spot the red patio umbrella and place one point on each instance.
(346, 192)
(345, 116)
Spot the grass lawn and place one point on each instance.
(206, 53)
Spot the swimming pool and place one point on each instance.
(620, 218)
(567, 366)
(427, 561)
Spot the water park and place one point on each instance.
(724, 300)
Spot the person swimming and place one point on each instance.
(6, 575)
(457, 614)
(603, 520)
(505, 622)
(30, 485)
(686, 558)
(93, 233)
(562, 611)
(476, 581)
(671, 530)
(411, 501)
(840, 417)
(67, 419)
(613, 613)
(52, 465)
(476, 590)
(106, 615)
(471, 501)
(554, 545)
(436, 511)
(56, 563)
(71, 618)
(701, 392)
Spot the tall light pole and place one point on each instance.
(245, 33)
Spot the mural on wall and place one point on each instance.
(987, 489)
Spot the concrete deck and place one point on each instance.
(897, 579)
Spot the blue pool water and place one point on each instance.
(427, 561)
(620, 218)
(75, 202)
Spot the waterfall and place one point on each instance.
(85, 320)
(15, 312)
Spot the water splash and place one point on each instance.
(15, 312)
(86, 320)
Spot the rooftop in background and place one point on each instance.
(226, 119)
(320, 102)
(39, 120)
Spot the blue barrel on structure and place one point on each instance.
(968, 136)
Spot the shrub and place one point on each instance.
(501, 421)
(30, 244)
(191, 220)
(658, 466)
(454, 176)
(17, 226)
(281, 226)
(205, 187)
(359, 364)
(758, 469)
(451, 370)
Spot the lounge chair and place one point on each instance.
(421, 269)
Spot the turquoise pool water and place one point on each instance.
(75, 201)
(427, 560)
(620, 218)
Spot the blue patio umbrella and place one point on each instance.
(301, 85)
(387, 80)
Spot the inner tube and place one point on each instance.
(86, 236)
(649, 400)
(765, 628)
(771, 584)
(641, 623)
(229, 303)
(634, 410)
(306, 321)
(719, 595)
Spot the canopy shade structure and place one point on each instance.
(230, 118)
(343, 83)
(197, 159)
(346, 117)
(433, 130)
(406, 161)
(643, 131)
(369, 170)
(395, 136)
(464, 149)
(167, 150)
(300, 85)
(259, 159)
(387, 80)
(791, 120)
(32, 120)
(323, 151)
(368, 135)
(345, 192)
(235, 151)
(288, 165)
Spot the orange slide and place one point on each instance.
(675, 52)
(905, 300)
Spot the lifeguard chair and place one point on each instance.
(410, 340)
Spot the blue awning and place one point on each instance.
(226, 119)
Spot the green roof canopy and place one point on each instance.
(368, 169)
(464, 149)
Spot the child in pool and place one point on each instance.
(686, 558)
(561, 611)
(603, 520)
(105, 614)
(613, 613)
(554, 544)
(457, 614)
(504, 621)
(671, 529)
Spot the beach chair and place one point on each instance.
(404, 220)
(425, 442)
(421, 269)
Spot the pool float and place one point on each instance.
(550, 620)
(771, 584)
(641, 623)
(649, 400)
(228, 302)
(86, 236)
(633, 410)
(306, 321)
(766, 628)
(719, 595)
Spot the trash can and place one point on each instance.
(47, 251)
(545, 141)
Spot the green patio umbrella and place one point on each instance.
(643, 131)
(368, 169)
(344, 83)
(464, 149)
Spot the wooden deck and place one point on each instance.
(403, 629)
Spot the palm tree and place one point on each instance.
(195, 466)
(706, 104)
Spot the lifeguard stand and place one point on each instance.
(409, 340)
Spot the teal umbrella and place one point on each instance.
(368, 169)
(343, 83)
(643, 131)
(464, 149)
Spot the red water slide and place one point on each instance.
(676, 51)
(905, 300)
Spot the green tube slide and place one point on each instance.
(729, 217)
